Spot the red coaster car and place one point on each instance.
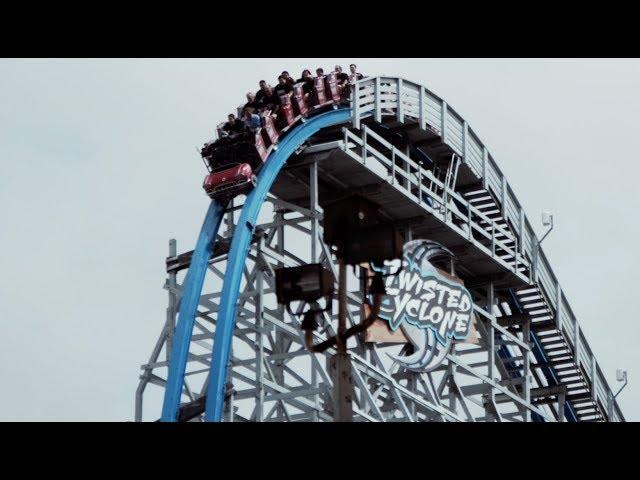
(229, 181)
(249, 148)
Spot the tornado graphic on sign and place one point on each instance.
(430, 309)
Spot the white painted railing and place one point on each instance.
(410, 176)
(406, 100)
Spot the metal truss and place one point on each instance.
(274, 378)
(531, 360)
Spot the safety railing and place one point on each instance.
(420, 185)
(406, 100)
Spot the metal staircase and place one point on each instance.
(482, 199)
(560, 355)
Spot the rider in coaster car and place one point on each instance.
(261, 93)
(270, 101)
(308, 81)
(288, 77)
(354, 76)
(234, 126)
(343, 82)
(342, 77)
(251, 120)
(251, 102)
(283, 87)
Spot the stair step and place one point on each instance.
(476, 193)
(480, 202)
(567, 369)
(534, 305)
(530, 298)
(538, 311)
(587, 411)
(545, 325)
(561, 348)
(574, 384)
(499, 222)
(541, 318)
(571, 380)
(560, 357)
(546, 333)
(579, 396)
(581, 402)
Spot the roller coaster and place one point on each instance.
(228, 351)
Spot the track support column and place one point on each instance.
(313, 206)
(173, 302)
(340, 363)
(491, 351)
(526, 370)
(259, 411)
(561, 400)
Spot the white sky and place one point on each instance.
(98, 169)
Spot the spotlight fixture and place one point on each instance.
(307, 283)
(547, 221)
(621, 376)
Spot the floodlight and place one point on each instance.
(306, 283)
(621, 376)
(547, 221)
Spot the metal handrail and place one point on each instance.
(447, 193)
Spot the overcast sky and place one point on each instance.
(98, 169)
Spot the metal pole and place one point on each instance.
(259, 414)
(228, 403)
(313, 206)
(229, 220)
(491, 346)
(278, 347)
(451, 368)
(340, 363)
(526, 386)
(342, 307)
(171, 309)
(165, 337)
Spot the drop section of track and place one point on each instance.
(192, 289)
(240, 248)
